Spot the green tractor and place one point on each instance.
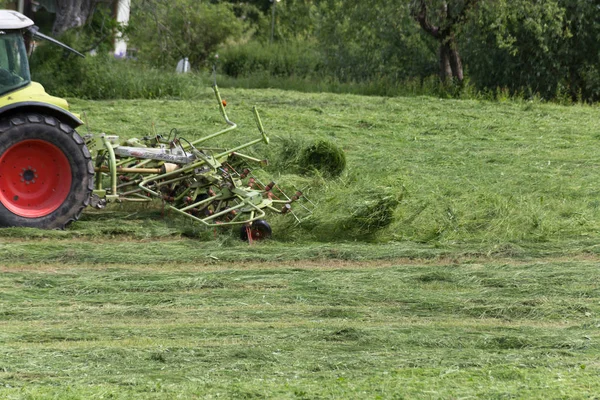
(49, 173)
(46, 171)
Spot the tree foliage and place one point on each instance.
(514, 44)
(543, 47)
(370, 39)
(165, 32)
(580, 54)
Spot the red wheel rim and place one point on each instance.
(256, 234)
(35, 178)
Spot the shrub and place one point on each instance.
(164, 32)
(287, 59)
(104, 77)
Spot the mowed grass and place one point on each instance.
(514, 179)
(466, 171)
(483, 285)
(301, 330)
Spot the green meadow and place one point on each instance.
(464, 171)
(455, 257)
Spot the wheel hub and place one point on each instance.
(29, 175)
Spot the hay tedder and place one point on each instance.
(49, 173)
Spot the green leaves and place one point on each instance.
(167, 32)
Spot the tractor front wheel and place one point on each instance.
(46, 173)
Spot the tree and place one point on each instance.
(364, 40)
(580, 52)
(72, 14)
(442, 19)
(515, 44)
(165, 32)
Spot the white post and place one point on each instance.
(21, 6)
(123, 7)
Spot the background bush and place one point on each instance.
(522, 49)
(285, 59)
(165, 32)
(104, 77)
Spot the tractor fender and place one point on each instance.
(35, 107)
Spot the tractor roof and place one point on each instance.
(10, 19)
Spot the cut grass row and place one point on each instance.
(481, 329)
(22, 248)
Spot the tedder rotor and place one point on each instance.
(49, 173)
(192, 180)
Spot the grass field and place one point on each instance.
(484, 284)
(303, 329)
(467, 171)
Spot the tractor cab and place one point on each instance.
(17, 91)
(14, 67)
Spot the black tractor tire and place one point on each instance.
(259, 230)
(46, 172)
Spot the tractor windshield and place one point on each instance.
(14, 68)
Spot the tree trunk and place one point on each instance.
(450, 61)
(445, 68)
(72, 14)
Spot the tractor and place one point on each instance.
(49, 173)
